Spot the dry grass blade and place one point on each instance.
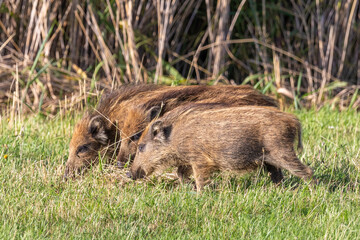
(219, 52)
(6, 42)
(105, 52)
(164, 15)
(87, 36)
(131, 44)
(346, 39)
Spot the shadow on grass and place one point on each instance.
(339, 181)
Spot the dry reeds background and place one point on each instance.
(58, 54)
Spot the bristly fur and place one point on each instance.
(118, 118)
(210, 137)
(137, 117)
(110, 101)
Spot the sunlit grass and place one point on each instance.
(36, 203)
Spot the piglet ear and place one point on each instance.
(153, 112)
(97, 129)
(159, 132)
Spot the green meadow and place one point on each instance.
(35, 202)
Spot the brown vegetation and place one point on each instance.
(57, 54)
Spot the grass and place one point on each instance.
(35, 203)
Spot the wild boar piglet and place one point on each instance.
(208, 139)
(99, 130)
(140, 115)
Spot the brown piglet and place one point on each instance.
(99, 131)
(208, 138)
(140, 115)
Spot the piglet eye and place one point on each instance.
(141, 147)
(82, 149)
(136, 136)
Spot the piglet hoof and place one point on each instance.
(128, 174)
(66, 175)
(120, 164)
(314, 182)
(64, 178)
